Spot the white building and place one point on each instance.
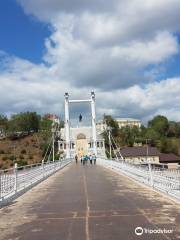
(81, 142)
(122, 122)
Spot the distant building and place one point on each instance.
(52, 117)
(144, 154)
(122, 122)
(82, 142)
(140, 154)
(169, 158)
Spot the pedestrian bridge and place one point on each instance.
(112, 200)
(109, 200)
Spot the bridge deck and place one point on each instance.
(88, 203)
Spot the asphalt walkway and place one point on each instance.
(89, 203)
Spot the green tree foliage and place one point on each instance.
(160, 124)
(45, 124)
(168, 145)
(3, 123)
(129, 135)
(151, 136)
(174, 129)
(160, 132)
(24, 122)
(112, 123)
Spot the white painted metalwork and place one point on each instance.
(67, 125)
(18, 179)
(93, 113)
(80, 101)
(167, 181)
(67, 122)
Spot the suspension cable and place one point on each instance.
(116, 146)
(113, 142)
(47, 149)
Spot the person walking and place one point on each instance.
(94, 158)
(84, 160)
(90, 159)
(76, 158)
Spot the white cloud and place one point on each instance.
(105, 46)
(156, 98)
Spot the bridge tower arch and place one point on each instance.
(92, 102)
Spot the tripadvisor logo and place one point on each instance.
(140, 231)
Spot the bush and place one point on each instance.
(44, 147)
(11, 164)
(21, 163)
(5, 158)
(23, 151)
(21, 157)
(12, 158)
(4, 167)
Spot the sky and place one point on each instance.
(127, 51)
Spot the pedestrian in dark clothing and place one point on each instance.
(76, 159)
(87, 159)
(94, 158)
(91, 159)
(84, 160)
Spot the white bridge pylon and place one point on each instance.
(67, 121)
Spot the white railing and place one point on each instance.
(167, 181)
(18, 179)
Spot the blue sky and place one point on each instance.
(127, 51)
(21, 35)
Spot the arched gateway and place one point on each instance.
(81, 140)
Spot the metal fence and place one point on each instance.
(167, 181)
(18, 179)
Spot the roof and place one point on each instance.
(122, 120)
(169, 158)
(127, 119)
(139, 151)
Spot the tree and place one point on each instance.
(128, 135)
(3, 123)
(152, 135)
(174, 129)
(160, 124)
(46, 124)
(112, 123)
(24, 122)
(169, 145)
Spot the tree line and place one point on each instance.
(159, 132)
(24, 123)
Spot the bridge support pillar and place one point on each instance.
(93, 116)
(67, 127)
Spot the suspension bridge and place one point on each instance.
(112, 199)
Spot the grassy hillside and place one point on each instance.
(27, 150)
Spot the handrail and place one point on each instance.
(161, 179)
(18, 179)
